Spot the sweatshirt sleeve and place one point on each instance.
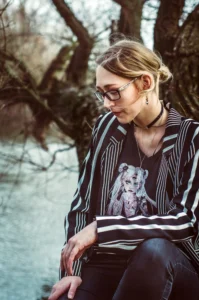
(179, 224)
(76, 219)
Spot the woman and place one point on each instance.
(152, 251)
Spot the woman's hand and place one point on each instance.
(69, 283)
(77, 245)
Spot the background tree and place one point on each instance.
(179, 47)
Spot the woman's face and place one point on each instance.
(129, 105)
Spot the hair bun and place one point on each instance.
(164, 72)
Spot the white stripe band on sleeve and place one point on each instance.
(144, 227)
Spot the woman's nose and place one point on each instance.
(107, 103)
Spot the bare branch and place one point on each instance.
(3, 9)
(148, 19)
(13, 159)
(29, 93)
(4, 33)
(102, 31)
(57, 67)
(5, 56)
(76, 71)
(70, 19)
(55, 154)
(151, 5)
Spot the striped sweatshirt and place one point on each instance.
(177, 206)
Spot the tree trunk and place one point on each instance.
(78, 66)
(166, 31)
(167, 27)
(185, 86)
(130, 17)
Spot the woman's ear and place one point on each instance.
(146, 81)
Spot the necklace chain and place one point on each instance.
(138, 148)
(141, 160)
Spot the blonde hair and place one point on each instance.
(130, 59)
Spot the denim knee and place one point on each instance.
(153, 252)
(155, 246)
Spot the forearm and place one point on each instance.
(124, 233)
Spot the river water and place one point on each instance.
(32, 210)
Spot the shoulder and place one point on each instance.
(105, 119)
(188, 125)
(190, 134)
(181, 132)
(104, 124)
(193, 126)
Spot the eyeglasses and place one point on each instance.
(113, 95)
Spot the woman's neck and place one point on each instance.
(151, 115)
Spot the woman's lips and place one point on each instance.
(117, 113)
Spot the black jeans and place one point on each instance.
(157, 270)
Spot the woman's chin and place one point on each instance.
(122, 121)
(125, 119)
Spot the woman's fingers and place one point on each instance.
(62, 266)
(77, 245)
(69, 283)
(66, 254)
(67, 262)
(70, 260)
(59, 288)
(61, 262)
(79, 254)
(73, 287)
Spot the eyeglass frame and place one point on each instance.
(105, 94)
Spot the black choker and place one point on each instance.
(155, 120)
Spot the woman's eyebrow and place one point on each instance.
(106, 86)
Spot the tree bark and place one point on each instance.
(185, 86)
(166, 31)
(130, 17)
(167, 27)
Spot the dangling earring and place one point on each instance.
(147, 101)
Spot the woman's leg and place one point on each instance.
(158, 270)
(98, 283)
